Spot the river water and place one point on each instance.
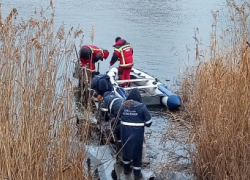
(160, 31)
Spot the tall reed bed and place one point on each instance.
(37, 126)
(217, 99)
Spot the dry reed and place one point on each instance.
(216, 95)
(36, 112)
(92, 34)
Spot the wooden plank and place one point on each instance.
(140, 87)
(134, 80)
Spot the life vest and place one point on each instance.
(90, 66)
(125, 55)
(94, 50)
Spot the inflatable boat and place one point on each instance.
(153, 92)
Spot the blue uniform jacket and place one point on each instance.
(134, 116)
(112, 102)
(100, 89)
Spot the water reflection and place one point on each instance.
(159, 30)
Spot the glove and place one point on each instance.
(99, 97)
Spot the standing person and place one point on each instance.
(124, 52)
(134, 117)
(90, 54)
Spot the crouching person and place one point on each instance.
(112, 102)
(134, 117)
(101, 84)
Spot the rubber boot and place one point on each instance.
(127, 169)
(137, 174)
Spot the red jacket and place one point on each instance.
(96, 54)
(124, 52)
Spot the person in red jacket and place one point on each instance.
(124, 52)
(90, 54)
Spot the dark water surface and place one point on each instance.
(159, 30)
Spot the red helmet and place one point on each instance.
(105, 54)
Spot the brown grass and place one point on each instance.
(36, 112)
(217, 95)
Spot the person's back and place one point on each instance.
(112, 102)
(123, 51)
(90, 54)
(134, 116)
(101, 84)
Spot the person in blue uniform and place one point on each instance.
(101, 84)
(111, 101)
(134, 116)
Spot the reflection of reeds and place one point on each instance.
(37, 123)
(175, 165)
(217, 99)
(92, 34)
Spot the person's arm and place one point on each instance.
(113, 59)
(83, 62)
(97, 57)
(94, 86)
(147, 117)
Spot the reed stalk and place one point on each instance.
(36, 92)
(217, 99)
